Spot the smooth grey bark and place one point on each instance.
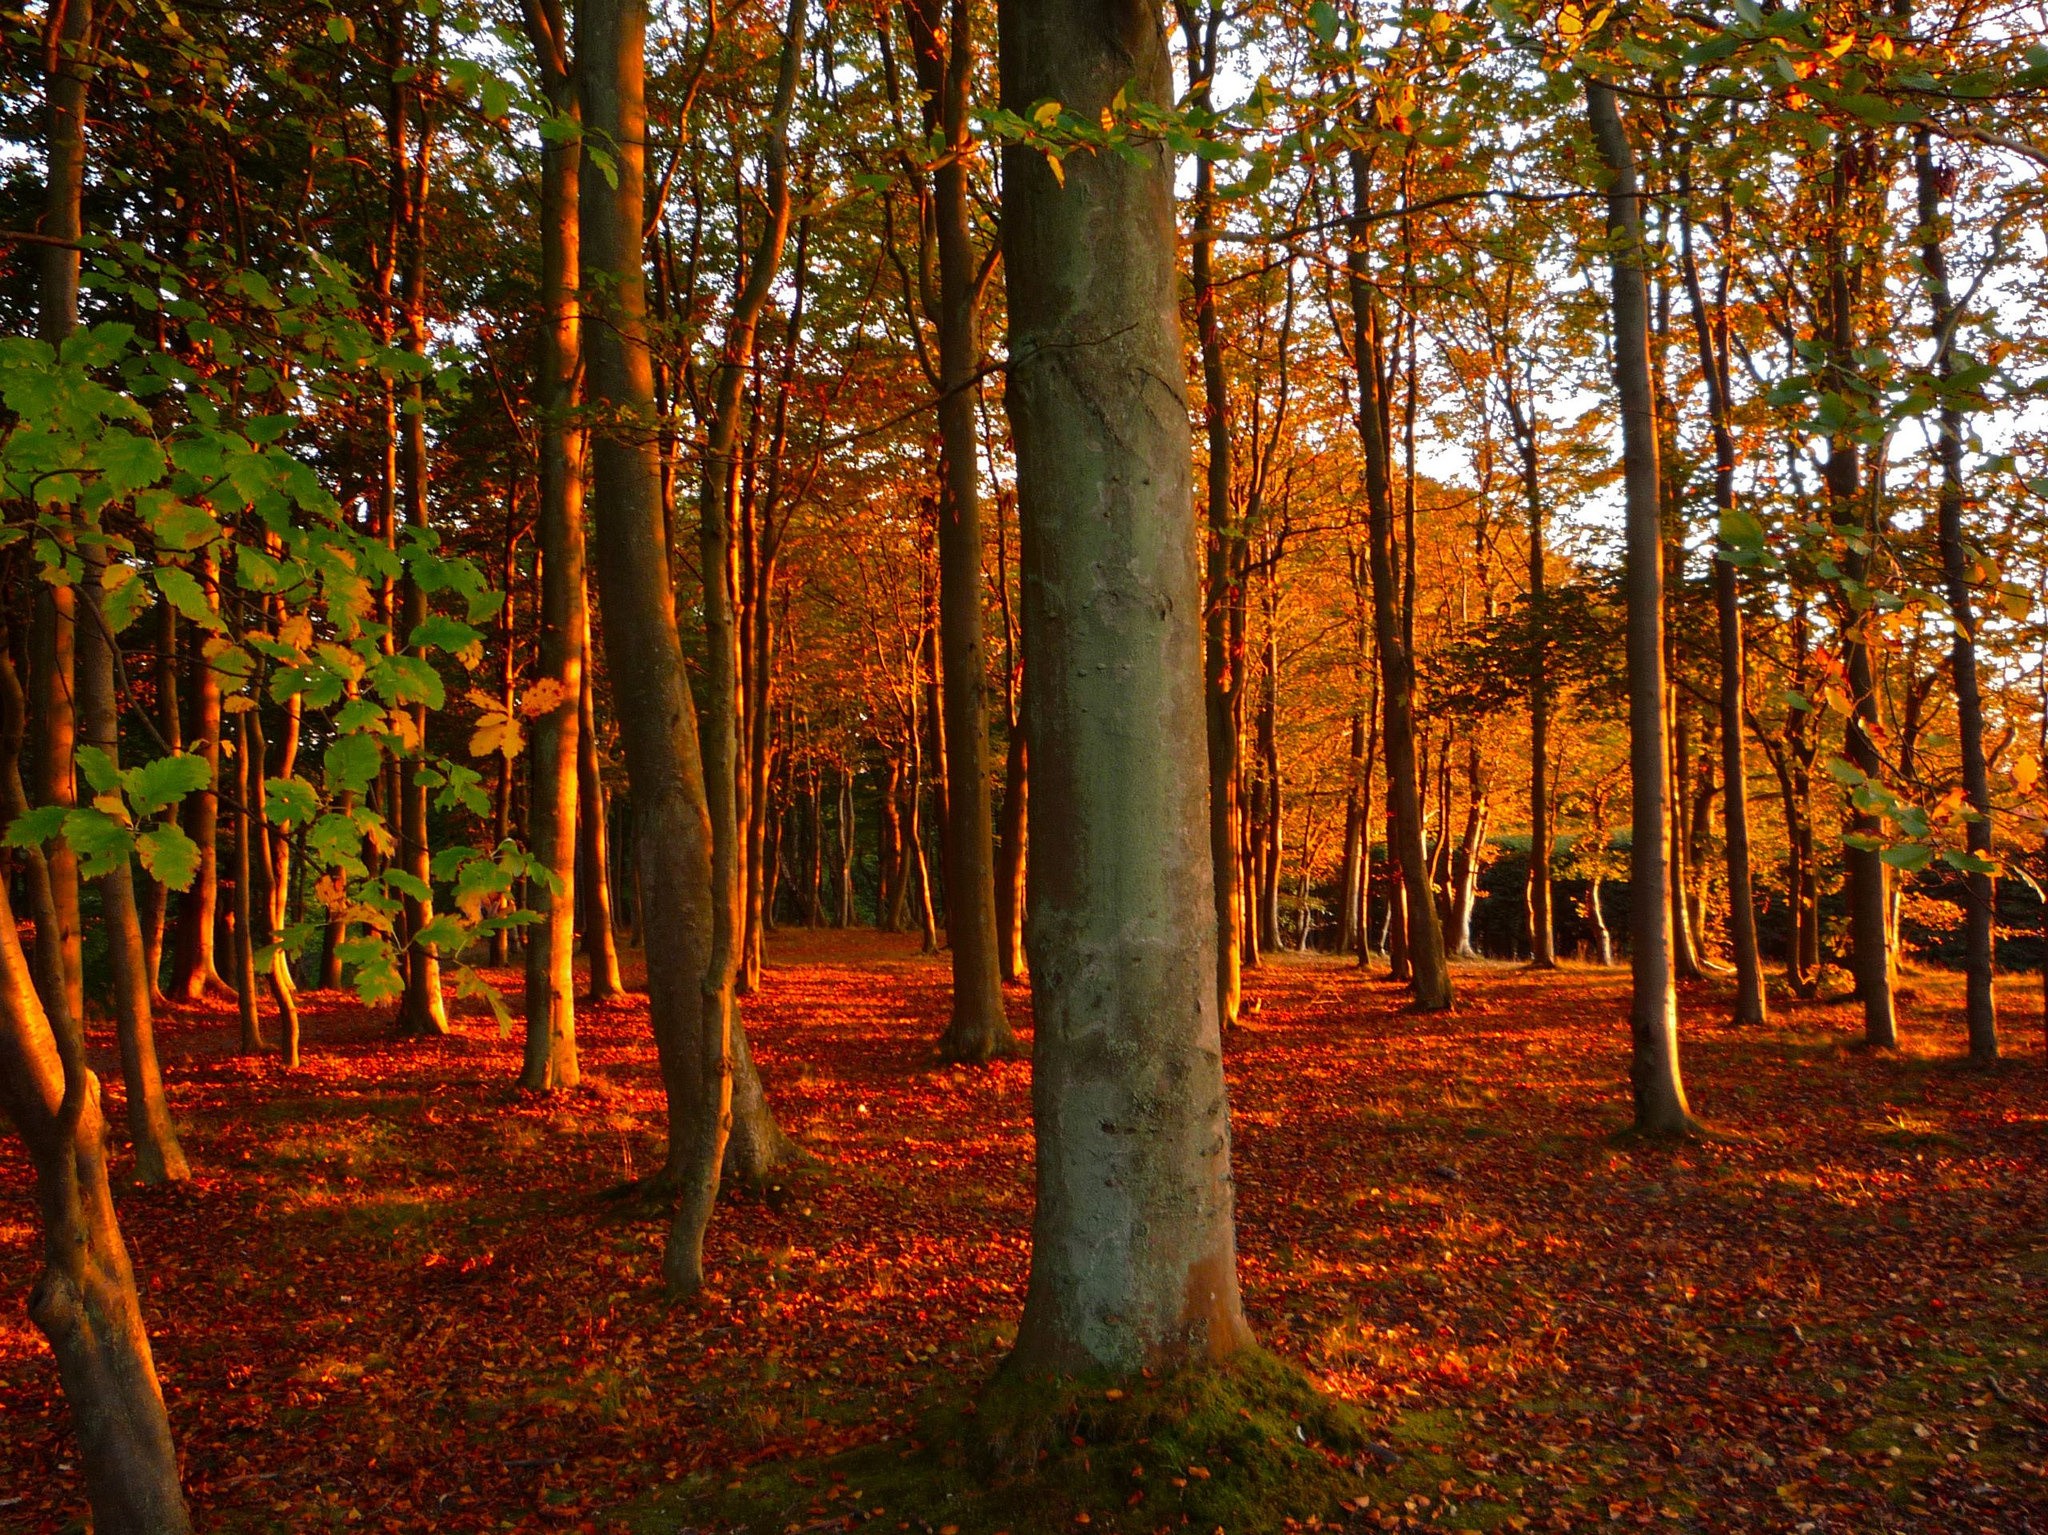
(1658, 1087)
(978, 1029)
(1133, 1256)
(550, 1056)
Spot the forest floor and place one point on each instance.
(397, 1297)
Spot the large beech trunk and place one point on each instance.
(1133, 1254)
(1427, 966)
(978, 1030)
(550, 1059)
(1659, 1090)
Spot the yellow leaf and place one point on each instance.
(2026, 772)
(1059, 171)
(1046, 114)
(544, 697)
(1880, 48)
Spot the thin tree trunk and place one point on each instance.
(1012, 857)
(242, 950)
(198, 907)
(690, 1009)
(154, 898)
(1980, 1005)
(1465, 869)
(593, 820)
(1869, 929)
(270, 855)
(978, 1030)
(550, 1057)
(1542, 837)
(1422, 932)
(1123, 958)
(1712, 335)
(1659, 1089)
(1224, 552)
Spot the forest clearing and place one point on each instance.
(403, 1299)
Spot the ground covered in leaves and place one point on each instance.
(399, 1295)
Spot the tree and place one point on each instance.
(943, 47)
(1133, 1256)
(1659, 1090)
(551, 951)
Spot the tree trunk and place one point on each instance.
(154, 898)
(1869, 929)
(1422, 932)
(1712, 335)
(1980, 1006)
(1133, 1254)
(198, 907)
(550, 1058)
(1349, 935)
(242, 948)
(54, 738)
(1224, 552)
(1012, 857)
(978, 1029)
(1465, 866)
(593, 822)
(846, 828)
(271, 852)
(84, 1300)
(1542, 838)
(689, 1010)
(1658, 1087)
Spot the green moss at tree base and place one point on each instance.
(1246, 1446)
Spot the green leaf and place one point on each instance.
(157, 785)
(182, 590)
(1909, 856)
(336, 842)
(171, 857)
(437, 633)
(445, 933)
(403, 679)
(351, 762)
(1846, 772)
(35, 827)
(407, 883)
(376, 971)
(101, 842)
(99, 769)
(289, 801)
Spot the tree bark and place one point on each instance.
(550, 1058)
(978, 1030)
(1712, 335)
(593, 812)
(1223, 545)
(643, 649)
(154, 898)
(1133, 1257)
(1013, 856)
(242, 950)
(198, 907)
(1658, 1087)
(1423, 946)
(1980, 1004)
(1869, 927)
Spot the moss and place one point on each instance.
(1248, 1447)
